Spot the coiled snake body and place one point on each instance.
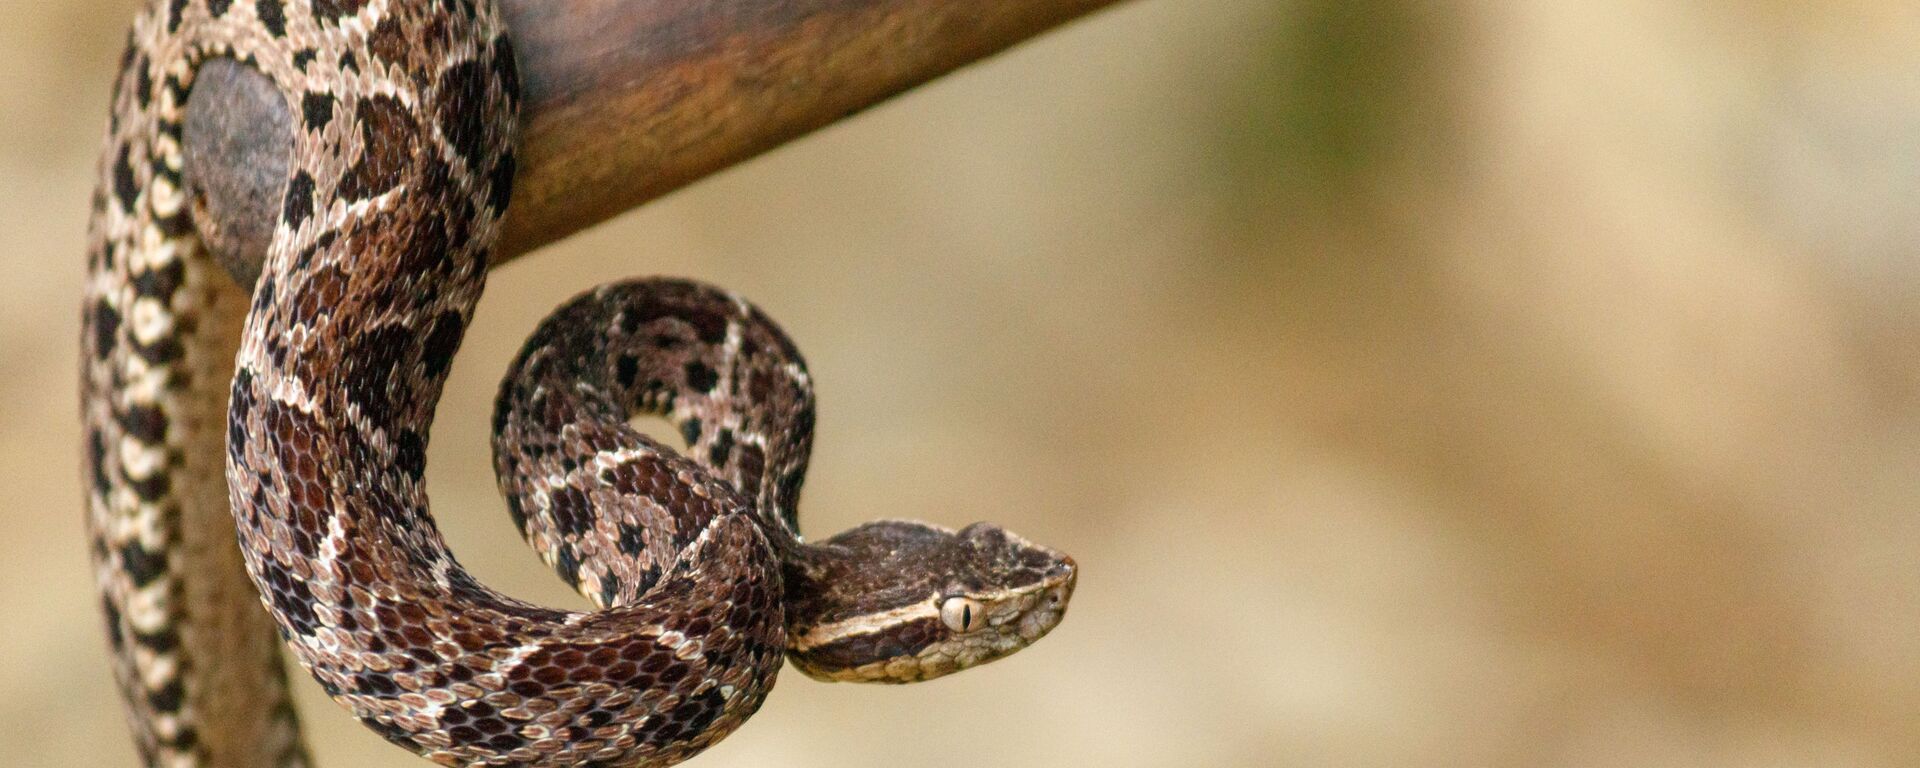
(315, 439)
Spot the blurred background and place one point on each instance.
(1500, 384)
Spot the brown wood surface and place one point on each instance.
(626, 100)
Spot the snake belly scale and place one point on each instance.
(298, 415)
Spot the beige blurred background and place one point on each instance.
(1491, 384)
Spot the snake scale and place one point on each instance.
(298, 414)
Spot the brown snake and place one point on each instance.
(313, 443)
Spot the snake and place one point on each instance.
(254, 456)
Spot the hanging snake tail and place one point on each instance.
(196, 658)
(195, 655)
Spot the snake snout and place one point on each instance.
(1064, 571)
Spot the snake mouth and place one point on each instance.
(1056, 590)
(1063, 577)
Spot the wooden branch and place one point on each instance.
(626, 100)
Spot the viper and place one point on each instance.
(293, 418)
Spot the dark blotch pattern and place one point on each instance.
(106, 329)
(141, 564)
(506, 69)
(571, 511)
(333, 9)
(374, 378)
(463, 88)
(317, 109)
(97, 462)
(500, 183)
(160, 282)
(410, 454)
(701, 377)
(387, 137)
(299, 200)
(126, 189)
(145, 422)
(441, 343)
(389, 41)
(273, 16)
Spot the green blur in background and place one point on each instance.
(1478, 384)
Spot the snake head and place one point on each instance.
(896, 601)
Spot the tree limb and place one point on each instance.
(626, 100)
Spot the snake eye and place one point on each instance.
(962, 614)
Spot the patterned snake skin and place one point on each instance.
(313, 443)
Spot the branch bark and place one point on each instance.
(627, 100)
